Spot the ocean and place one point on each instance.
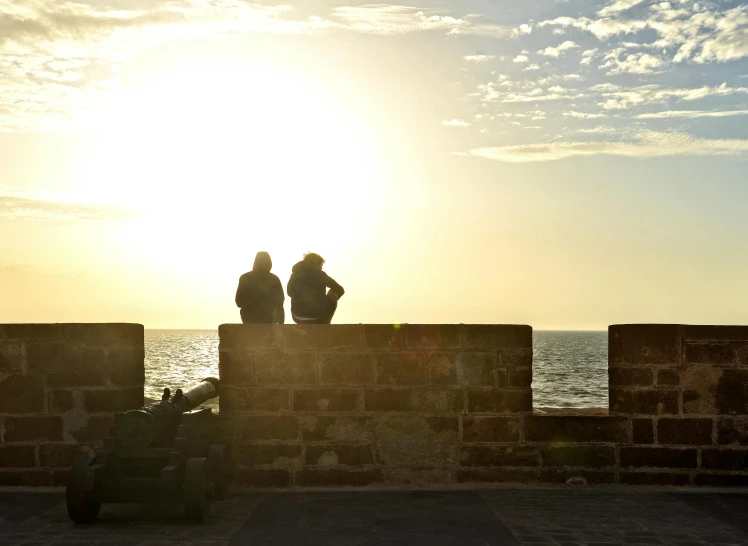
(569, 368)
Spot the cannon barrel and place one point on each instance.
(141, 427)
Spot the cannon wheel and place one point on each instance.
(217, 464)
(197, 490)
(81, 503)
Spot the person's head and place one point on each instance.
(263, 263)
(314, 260)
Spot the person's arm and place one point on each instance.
(332, 284)
(246, 294)
(239, 294)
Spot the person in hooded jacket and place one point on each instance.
(311, 302)
(260, 294)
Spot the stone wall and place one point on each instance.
(59, 387)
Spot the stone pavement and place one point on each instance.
(562, 516)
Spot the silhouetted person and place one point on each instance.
(260, 294)
(311, 303)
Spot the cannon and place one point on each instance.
(162, 452)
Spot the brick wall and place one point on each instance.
(59, 387)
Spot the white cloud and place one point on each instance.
(20, 208)
(558, 32)
(692, 114)
(520, 59)
(575, 77)
(455, 123)
(520, 30)
(556, 51)
(583, 115)
(644, 144)
(636, 63)
(479, 58)
(622, 99)
(532, 67)
(614, 8)
(601, 130)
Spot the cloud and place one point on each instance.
(479, 58)
(520, 59)
(644, 144)
(455, 123)
(614, 8)
(583, 115)
(692, 114)
(520, 30)
(621, 99)
(19, 208)
(636, 63)
(532, 67)
(556, 51)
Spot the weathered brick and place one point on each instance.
(62, 455)
(732, 392)
(32, 332)
(243, 337)
(490, 429)
(286, 368)
(320, 336)
(515, 359)
(433, 336)
(437, 399)
(684, 431)
(27, 429)
(336, 429)
(24, 478)
(497, 475)
(254, 399)
(320, 478)
(385, 336)
(112, 400)
(125, 358)
(657, 457)
(499, 401)
(127, 377)
(642, 431)
(710, 353)
(402, 368)
(639, 344)
(268, 427)
(724, 459)
(630, 377)
(668, 377)
(335, 454)
(653, 478)
(644, 402)
(443, 368)
(349, 368)
(498, 336)
(417, 476)
(278, 455)
(722, 480)
(388, 399)
(17, 457)
(574, 429)
(94, 429)
(325, 400)
(416, 441)
(105, 335)
(12, 356)
(265, 477)
(75, 378)
(236, 367)
(715, 333)
(21, 393)
(60, 401)
(519, 378)
(582, 456)
(732, 431)
(478, 369)
(450, 425)
(52, 356)
(577, 477)
(511, 455)
(741, 354)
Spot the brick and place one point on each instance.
(732, 432)
(32, 332)
(684, 431)
(653, 478)
(402, 368)
(741, 354)
(336, 429)
(94, 359)
(577, 477)
(112, 400)
(52, 356)
(337, 368)
(437, 399)
(106, 335)
(29, 429)
(278, 455)
(573, 429)
(478, 369)
(255, 477)
(321, 478)
(519, 378)
(433, 336)
(416, 441)
(325, 400)
(669, 377)
(490, 429)
(385, 336)
(644, 402)
(388, 399)
(721, 480)
(639, 344)
(335, 454)
(129, 361)
(94, 429)
(515, 359)
(582, 456)
(497, 475)
(657, 457)
(630, 377)
(443, 368)
(60, 401)
(268, 427)
(511, 455)
(417, 476)
(21, 393)
(498, 336)
(62, 455)
(76, 378)
(12, 356)
(243, 337)
(732, 392)
(24, 478)
(59, 478)
(17, 457)
(286, 368)
(320, 336)
(450, 425)
(715, 333)
(709, 353)
(236, 367)
(253, 399)
(642, 431)
(724, 459)
(499, 401)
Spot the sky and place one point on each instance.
(564, 164)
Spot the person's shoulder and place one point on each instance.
(245, 276)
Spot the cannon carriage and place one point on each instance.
(163, 452)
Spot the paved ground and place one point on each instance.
(560, 516)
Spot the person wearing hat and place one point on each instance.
(259, 295)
